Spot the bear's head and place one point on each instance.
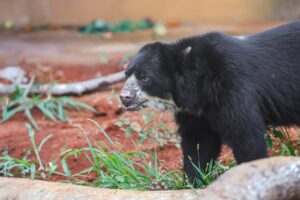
(151, 78)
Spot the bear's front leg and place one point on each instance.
(248, 144)
(243, 129)
(199, 143)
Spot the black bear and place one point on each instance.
(222, 89)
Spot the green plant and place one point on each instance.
(23, 167)
(130, 170)
(127, 170)
(280, 142)
(113, 169)
(16, 167)
(51, 107)
(149, 128)
(2, 100)
(212, 171)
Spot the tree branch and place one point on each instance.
(76, 88)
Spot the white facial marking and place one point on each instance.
(159, 104)
(146, 101)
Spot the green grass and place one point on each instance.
(129, 170)
(25, 166)
(279, 141)
(212, 172)
(113, 169)
(147, 130)
(51, 107)
(123, 170)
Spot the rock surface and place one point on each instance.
(276, 178)
(25, 189)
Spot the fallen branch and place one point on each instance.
(76, 88)
(13, 74)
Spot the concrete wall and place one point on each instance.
(83, 11)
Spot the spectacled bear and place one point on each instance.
(221, 89)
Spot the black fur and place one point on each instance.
(227, 89)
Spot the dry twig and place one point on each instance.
(76, 88)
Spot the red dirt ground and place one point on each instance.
(14, 136)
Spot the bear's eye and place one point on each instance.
(144, 78)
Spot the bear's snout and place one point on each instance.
(126, 97)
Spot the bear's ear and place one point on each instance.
(186, 51)
(185, 56)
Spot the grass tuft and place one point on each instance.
(112, 169)
(51, 107)
(156, 132)
(279, 141)
(27, 167)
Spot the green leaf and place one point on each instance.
(66, 168)
(119, 123)
(31, 119)
(4, 112)
(46, 112)
(61, 113)
(269, 141)
(145, 118)
(43, 175)
(17, 94)
(128, 131)
(31, 135)
(30, 131)
(32, 171)
(102, 130)
(53, 167)
(278, 134)
(44, 141)
(120, 178)
(11, 113)
(78, 104)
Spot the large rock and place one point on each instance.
(276, 178)
(26, 189)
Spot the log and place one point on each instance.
(76, 88)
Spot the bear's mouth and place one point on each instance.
(135, 107)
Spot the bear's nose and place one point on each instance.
(126, 97)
